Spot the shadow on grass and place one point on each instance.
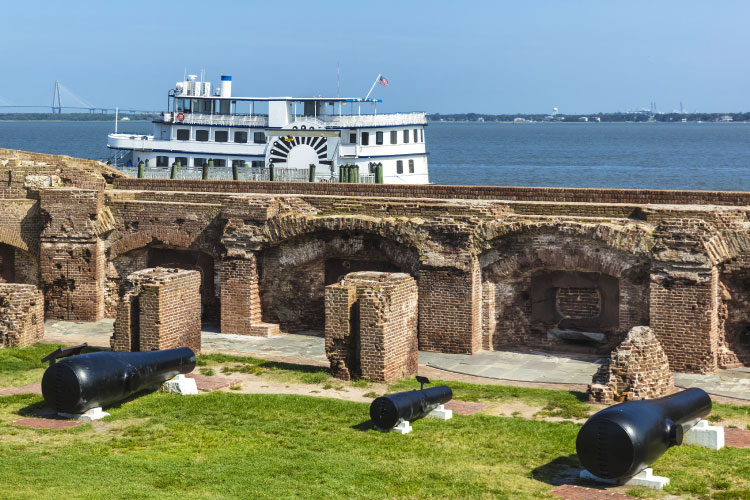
(39, 409)
(562, 470)
(365, 426)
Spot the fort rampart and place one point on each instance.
(495, 267)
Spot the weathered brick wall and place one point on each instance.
(159, 309)
(637, 369)
(577, 195)
(578, 303)
(678, 257)
(21, 315)
(376, 314)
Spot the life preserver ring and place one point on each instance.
(180, 116)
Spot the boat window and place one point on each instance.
(162, 161)
(416, 137)
(394, 137)
(411, 164)
(201, 135)
(236, 163)
(240, 137)
(379, 137)
(399, 166)
(183, 134)
(223, 136)
(421, 134)
(406, 136)
(220, 163)
(353, 138)
(257, 164)
(259, 137)
(199, 162)
(182, 160)
(365, 138)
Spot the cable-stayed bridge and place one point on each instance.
(77, 104)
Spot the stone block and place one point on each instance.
(704, 435)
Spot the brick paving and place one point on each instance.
(465, 407)
(45, 423)
(208, 383)
(35, 388)
(736, 438)
(572, 492)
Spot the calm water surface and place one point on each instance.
(618, 155)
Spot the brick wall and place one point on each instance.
(159, 309)
(375, 314)
(578, 195)
(21, 315)
(450, 304)
(577, 303)
(637, 369)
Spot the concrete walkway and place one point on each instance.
(532, 367)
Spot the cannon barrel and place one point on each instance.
(385, 411)
(79, 383)
(622, 440)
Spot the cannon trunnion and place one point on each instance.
(80, 383)
(622, 440)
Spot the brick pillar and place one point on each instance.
(71, 256)
(240, 299)
(450, 305)
(684, 316)
(489, 323)
(339, 299)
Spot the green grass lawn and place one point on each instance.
(231, 445)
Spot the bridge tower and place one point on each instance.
(56, 105)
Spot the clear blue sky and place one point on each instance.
(440, 56)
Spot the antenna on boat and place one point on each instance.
(117, 112)
(338, 79)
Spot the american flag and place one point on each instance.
(383, 81)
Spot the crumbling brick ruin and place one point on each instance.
(21, 315)
(636, 369)
(159, 309)
(371, 326)
(496, 267)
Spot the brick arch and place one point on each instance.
(632, 238)
(294, 269)
(526, 266)
(165, 237)
(281, 229)
(15, 239)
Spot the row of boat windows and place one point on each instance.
(415, 135)
(183, 134)
(418, 136)
(163, 161)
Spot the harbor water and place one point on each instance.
(709, 156)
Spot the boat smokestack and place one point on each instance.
(226, 86)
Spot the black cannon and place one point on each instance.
(622, 440)
(386, 411)
(79, 383)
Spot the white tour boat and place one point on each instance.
(201, 127)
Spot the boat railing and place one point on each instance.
(227, 120)
(380, 120)
(243, 174)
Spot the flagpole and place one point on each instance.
(373, 86)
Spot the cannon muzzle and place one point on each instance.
(79, 383)
(622, 440)
(386, 411)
